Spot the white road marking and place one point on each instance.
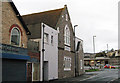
(89, 78)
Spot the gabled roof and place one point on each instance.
(48, 17)
(19, 17)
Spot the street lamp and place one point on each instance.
(75, 53)
(94, 49)
(107, 48)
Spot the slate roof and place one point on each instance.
(48, 17)
(19, 17)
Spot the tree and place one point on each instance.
(101, 54)
(112, 50)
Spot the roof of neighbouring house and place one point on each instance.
(48, 17)
(19, 17)
(89, 53)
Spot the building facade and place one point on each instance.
(114, 57)
(48, 45)
(97, 60)
(66, 53)
(33, 64)
(79, 56)
(88, 59)
(50, 64)
(59, 20)
(14, 44)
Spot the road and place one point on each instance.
(104, 76)
(107, 75)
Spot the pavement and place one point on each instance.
(78, 78)
(103, 76)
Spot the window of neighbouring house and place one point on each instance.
(15, 36)
(81, 64)
(67, 35)
(52, 40)
(46, 37)
(67, 63)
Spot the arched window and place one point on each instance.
(67, 35)
(15, 36)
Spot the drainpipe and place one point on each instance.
(43, 26)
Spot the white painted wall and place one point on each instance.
(51, 52)
(77, 40)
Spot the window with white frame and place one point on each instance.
(66, 17)
(67, 63)
(67, 48)
(67, 35)
(15, 36)
(46, 37)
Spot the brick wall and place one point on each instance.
(8, 19)
(61, 52)
(34, 55)
(80, 55)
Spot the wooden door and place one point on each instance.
(29, 71)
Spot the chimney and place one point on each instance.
(65, 5)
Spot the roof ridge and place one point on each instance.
(19, 17)
(43, 12)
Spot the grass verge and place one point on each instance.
(91, 70)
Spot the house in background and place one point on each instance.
(14, 44)
(88, 59)
(102, 58)
(79, 56)
(114, 57)
(99, 59)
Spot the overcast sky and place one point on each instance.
(93, 17)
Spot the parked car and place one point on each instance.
(109, 66)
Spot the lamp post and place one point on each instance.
(94, 49)
(75, 53)
(107, 48)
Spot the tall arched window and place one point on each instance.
(15, 36)
(67, 35)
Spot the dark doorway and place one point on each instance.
(46, 70)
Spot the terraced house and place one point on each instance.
(59, 20)
(14, 44)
